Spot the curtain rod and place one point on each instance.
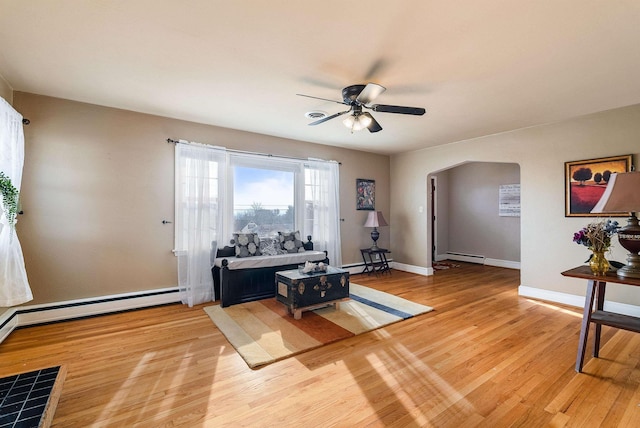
(172, 141)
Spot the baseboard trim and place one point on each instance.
(551, 296)
(574, 300)
(502, 263)
(356, 269)
(469, 258)
(8, 323)
(425, 271)
(472, 258)
(23, 316)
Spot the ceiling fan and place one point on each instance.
(359, 97)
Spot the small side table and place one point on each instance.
(375, 261)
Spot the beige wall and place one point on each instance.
(474, 225)
(5, 91)
(442, 213)
(546, 234)
(98, 182)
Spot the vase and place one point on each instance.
(598, 263)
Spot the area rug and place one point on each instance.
(444, 265)
(263, 332)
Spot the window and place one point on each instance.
(264, 195)
(219, 192)
(263, 201)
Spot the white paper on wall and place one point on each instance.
(509, 200)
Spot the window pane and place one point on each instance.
(263, 201)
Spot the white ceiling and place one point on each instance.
(478, 67)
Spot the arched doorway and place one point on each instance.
(466, 221)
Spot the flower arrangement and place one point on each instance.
(9, 199)
(597, 235)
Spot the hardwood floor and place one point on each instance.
(484, 357)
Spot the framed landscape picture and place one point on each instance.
(365, 194)
(585, 182)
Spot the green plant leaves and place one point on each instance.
(9, 199)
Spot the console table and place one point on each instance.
(375, 261)
(596, 288)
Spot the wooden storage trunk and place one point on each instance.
(300, 291)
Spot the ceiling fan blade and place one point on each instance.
(324, 119)
(323, 99)
(418, 111)
(370, 92)
(375, 69)
(374, 126)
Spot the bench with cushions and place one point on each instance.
(245, 271)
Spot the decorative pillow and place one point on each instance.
(271, 247)
(247, 244)
(227, 251)
(291, 242)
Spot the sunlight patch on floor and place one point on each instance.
(124, 390)
(421, 391)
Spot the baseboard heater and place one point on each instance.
(22, 316)
(461, 257)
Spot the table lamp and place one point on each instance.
(623, 195)
(375, 220)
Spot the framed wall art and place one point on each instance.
(509, 200)
(365, 194)
(586, 180)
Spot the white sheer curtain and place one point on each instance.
(200, 174)
(322, 216)
(14, 286)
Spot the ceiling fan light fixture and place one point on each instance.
(365, 121)
(349, 122)
(357, 122)
(359, 97)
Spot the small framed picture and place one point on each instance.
(585, 181)
(365, 194)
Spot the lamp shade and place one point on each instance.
(621, 195)
(375, 219)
